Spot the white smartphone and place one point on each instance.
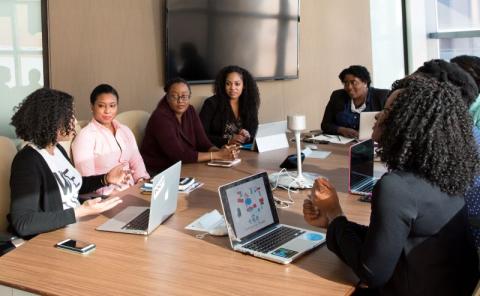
(76, 246)
(224, 163)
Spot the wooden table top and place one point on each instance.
(171, 261)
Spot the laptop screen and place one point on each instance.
(248, 205)
(361, 162)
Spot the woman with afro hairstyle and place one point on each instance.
(418, 241)
(342, 114)
(231, 115)
(44, 184)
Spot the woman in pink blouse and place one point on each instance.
(104, 142)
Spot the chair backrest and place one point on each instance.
(67, 145)
(136, 120)
(6, 157)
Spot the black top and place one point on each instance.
(418, 241)
(219, 124)
(36, 203)
(340, 98)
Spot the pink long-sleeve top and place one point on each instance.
(96, 150)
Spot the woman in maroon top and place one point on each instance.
(174, 132)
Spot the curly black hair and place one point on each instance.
(358, 71)
(471, 64)
(42, 114)
(429, 132)
(449, 72)
(249, 100)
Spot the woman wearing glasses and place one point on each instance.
(231, 115)
(342, 115)
(104, 142)
(174, 132)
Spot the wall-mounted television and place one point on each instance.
(202, 36)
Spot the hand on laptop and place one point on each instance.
(325, 199)
(96, 206)
(347, 132)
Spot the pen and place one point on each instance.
(338, 137)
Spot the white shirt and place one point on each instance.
(68, 178)
(359, 109)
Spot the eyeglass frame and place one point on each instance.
(178, 99)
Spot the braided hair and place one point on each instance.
(429, 133)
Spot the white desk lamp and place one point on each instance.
(300, 179)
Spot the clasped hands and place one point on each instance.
(323, 205)
(242, 137)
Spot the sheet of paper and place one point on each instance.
(309, 153)
(205, 222)
(335, 139)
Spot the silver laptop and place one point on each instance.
(367, 120)
(361, 175)
(253, 225)
(163, 203)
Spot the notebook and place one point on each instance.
(163, 203)
(253, 224)
(367, 120)
(361, 178)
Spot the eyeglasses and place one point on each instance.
(182, 98)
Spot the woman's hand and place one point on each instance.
(119, 175)
(238, 139)
(347, 132)
(228, 152)
(324, 197)
(96, 206)
(313, 216)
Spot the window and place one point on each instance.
(448, 28)
(21, 55)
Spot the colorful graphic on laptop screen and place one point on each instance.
(249, 206)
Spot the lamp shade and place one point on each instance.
(296, 122)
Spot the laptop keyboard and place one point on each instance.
(274, 239)
(140, 222)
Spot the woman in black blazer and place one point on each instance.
(44, 184)
(342, 114)
(418, 240)
(231, 115)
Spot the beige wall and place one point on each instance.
(121, 42)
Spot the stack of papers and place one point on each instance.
(335, 139)
(309, 153)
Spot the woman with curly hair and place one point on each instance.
(342, 114)
(231, 115)
(418, 242)
(44, 184)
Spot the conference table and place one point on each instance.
(172, 261)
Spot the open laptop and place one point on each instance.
(361, 177)
(253, 225)
(163, 203)
(367, 120)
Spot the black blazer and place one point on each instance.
(418, 241)
(214, 120)
(36, 203)
(339, 97)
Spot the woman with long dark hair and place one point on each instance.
(231, 115)
(418, 241)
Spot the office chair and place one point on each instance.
(7, 241)
(136, 120)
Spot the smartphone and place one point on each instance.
(76, 246)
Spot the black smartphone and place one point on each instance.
(76, 246)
